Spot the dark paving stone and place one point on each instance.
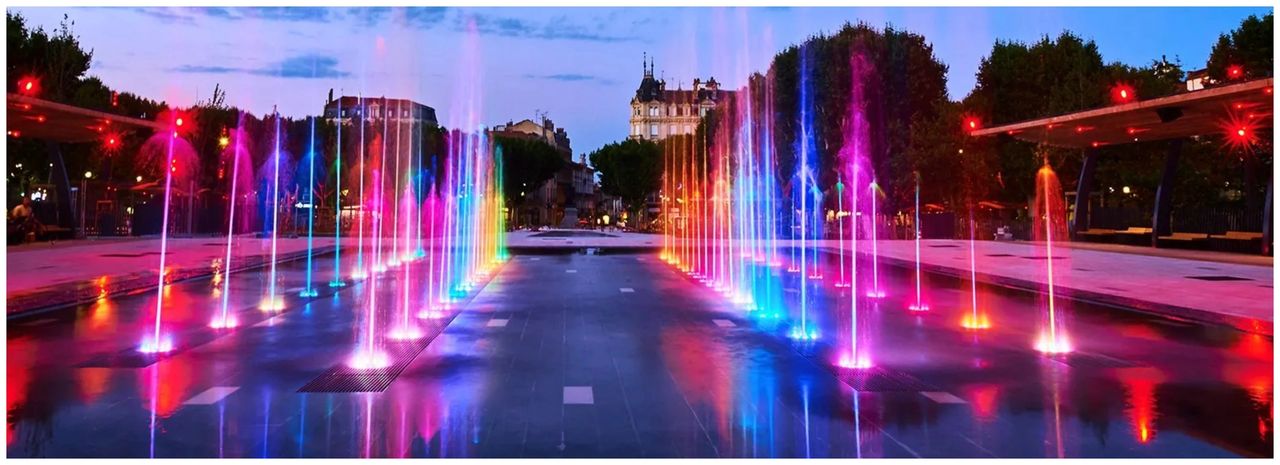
(666, 380)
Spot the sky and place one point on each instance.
(578, 66)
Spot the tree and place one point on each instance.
(630, 170)
(1249, 47)
(528, 163)
(1017, 82)
(55, 59)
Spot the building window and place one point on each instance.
(703, 112)
(637, 111)
(653, 110)
(653, 130)
(688, 129)
(671, 130)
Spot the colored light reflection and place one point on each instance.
(1050, 343)
(975, 321)
(369, 361)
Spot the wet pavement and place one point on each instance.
(623, 356)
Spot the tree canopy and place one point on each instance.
(1249, 47)
(528, 164)
(630, 170)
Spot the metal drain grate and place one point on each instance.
(1090, 360)
(342, 378)
(1042, 257)
(879, 379)
(999, 255)
(129, 255)
(1218, 278)
(945, 246)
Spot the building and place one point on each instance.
(1197, 79)
(657, 112)
(569, 194)
(374, 108)
(546, 131)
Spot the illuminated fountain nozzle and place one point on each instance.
(1050, 344)
(308, 292)
(223, 322)
(978, 321)
(271, 304)
(151, 346)
(337, 283)
(360, 275)
(854, 363)
(368, 360)
(875, 294)
(918, 307)
(801, 335)
(405, 333)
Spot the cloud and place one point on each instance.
(299, 67)
(424, 18)
(560, 28)
(570, 77)
(178, 15)
(278, 13)
(417, 17)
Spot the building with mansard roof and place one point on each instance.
(657, 112)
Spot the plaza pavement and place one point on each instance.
(1203, 287)
(1239, 295)
(48, 275)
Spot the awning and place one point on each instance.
(1202, 112)
(43, 119)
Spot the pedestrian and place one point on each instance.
(24, 219)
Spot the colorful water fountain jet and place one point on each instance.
(876, 292)
(918, 305)
(805, 187)
(224, 318)
(337, 280)
(1049, 222)
(361, 272)
(273, 302)
(856, 354)
(157, 341)
(975, 319)
(309, 289)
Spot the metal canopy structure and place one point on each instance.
(30, 117)
(58, 123)
(1188, 114)
(1245, 107)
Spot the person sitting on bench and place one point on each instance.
(25, 221)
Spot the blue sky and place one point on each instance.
(579, 65)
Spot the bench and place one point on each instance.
(1097, 235)
(1134, 236)
(54, 232)
(1237, 241)
(1183, 240)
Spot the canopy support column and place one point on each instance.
(1161, 225)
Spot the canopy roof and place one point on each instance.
(43, 119)
(1201, 112)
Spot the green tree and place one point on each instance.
(528, 163)
(1017, 82)
(1248, 46)
(630, 170)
